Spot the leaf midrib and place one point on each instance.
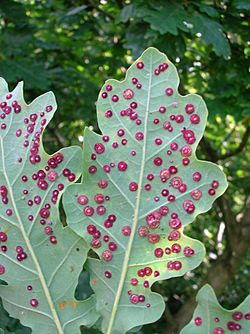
(31, 251)
(136, 214)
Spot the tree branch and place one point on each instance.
(97, 7)
(119, 3)
(60, 140)
(209, 150)
(240, 148)
(214, 156)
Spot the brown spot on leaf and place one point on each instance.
(72, 303)
(62, 305)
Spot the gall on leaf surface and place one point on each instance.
(40, 260)
(141, 184)
(210, 318)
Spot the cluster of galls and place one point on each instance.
(31, 124)
(108, 223)
(45, 214)
(4, 248)
(231, 325)
(153, 221)
(41, 175)
(43, 178)
(21, 255)
(161, 68)
(4, 194)
(143, 272)
(129, 112)
(6, 108)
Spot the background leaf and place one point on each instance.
(211, 32)
(142, 183)
(210, 317)
(15, 70)
(166, 18)
(40, 260)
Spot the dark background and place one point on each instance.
(71, 47)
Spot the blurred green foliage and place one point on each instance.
(71, 47)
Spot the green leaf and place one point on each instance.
(40, 260)
(209, 10)
(210, 318)
(13, 11)
(136, 182)
(126, 13)
(10, 325)
(167, 18)
(211, 32)
(245, 5)
(136, 40)
(27, 71)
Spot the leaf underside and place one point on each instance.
(40, 260)
(210, 318)
(138, 190)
